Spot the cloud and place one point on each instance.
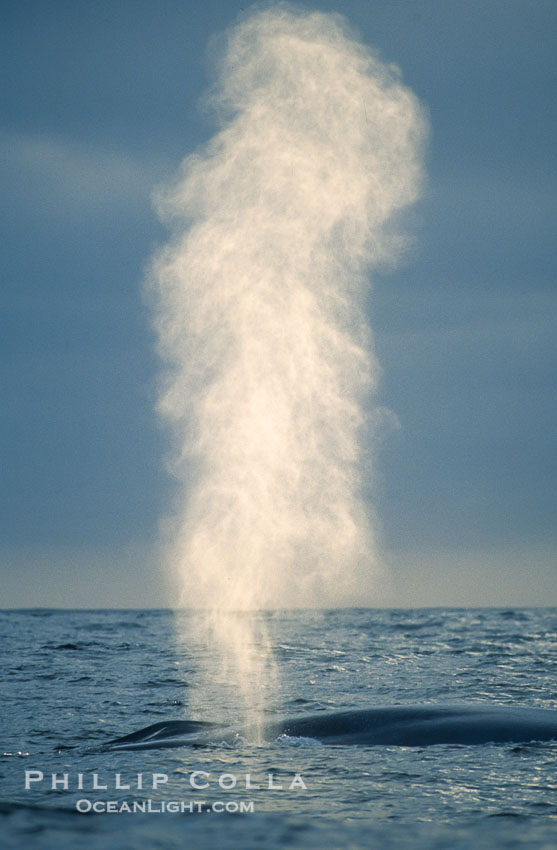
(83, 577)
(470, 315)
(62, 175)
(513, 575)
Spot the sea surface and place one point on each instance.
(72, 680)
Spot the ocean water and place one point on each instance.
(72, 680)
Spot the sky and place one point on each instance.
(100, 103)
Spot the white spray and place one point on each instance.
(277, 223)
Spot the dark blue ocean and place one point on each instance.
(72, 680)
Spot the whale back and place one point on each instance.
(399, 725)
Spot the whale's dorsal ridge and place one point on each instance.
(165, 729)
(398, 725)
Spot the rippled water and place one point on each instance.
(73, 680)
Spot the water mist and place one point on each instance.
(277, 223)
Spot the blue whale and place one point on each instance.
(397, 725)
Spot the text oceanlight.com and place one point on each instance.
(163, 806)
